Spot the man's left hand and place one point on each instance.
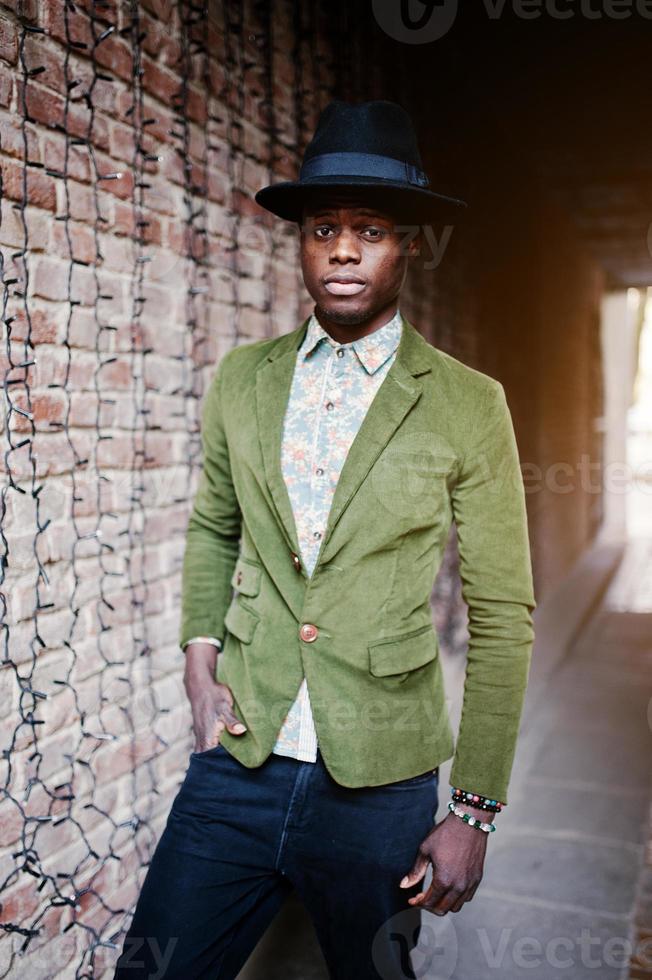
(456, 852)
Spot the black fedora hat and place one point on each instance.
(371, 146)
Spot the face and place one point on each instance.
(354, 263)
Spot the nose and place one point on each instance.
(345, 247)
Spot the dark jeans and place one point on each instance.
(237, 840)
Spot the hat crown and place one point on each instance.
(369, 146)
(379, 127)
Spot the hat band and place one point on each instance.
(362, 165)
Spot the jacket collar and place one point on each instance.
(372, 350)
(411, 355)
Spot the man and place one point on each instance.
(335, 459)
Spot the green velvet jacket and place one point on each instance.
(436, 445)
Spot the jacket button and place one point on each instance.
(308, 632)
(296, 561)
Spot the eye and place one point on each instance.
(322, 228)
(375, 234)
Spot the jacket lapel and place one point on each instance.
(273, 383)
(395, 397)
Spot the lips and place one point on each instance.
(344, 285)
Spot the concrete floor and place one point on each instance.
(557, 898)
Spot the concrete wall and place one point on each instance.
(538, 327)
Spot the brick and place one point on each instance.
(159, 129)
(19, 899)
(52, 17)
(217, 187)
(40, 187)
(105, 96)
(171, 166)
(8, 40)
(159, 42)
(123, 219)
(50, 280)
(81, 125)
(164, 198)
(108, 14)
(12, 229)
(161, 82)
(115, 54)
(75, 164)
(43, 327)
(121, 142)
(81, 204)
(161, 9)
(43, 105)
(14, 135)
(48, 407)
(152, 232)
(121, 186)
(74, 241)
(25, 9)
(117, 257)
(6, 89)
(11, 825)
(39, 55)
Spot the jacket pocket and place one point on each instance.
(400, 654)
(246, 576)
(241, 621)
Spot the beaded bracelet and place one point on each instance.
(476, 800)
(487, 828)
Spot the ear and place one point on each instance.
(415, 243)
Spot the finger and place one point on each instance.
(232, 724)
(472, 890)
(464, 897)
(430, 899)
(445, 902)
(416, 873)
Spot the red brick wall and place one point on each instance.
(121, 322)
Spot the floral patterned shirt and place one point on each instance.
(332, 387)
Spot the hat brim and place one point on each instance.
(414, 204)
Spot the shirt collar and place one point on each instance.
(372, 350)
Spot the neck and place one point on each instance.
(344, 333)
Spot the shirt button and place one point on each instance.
(339, 352)
(308, 632)
(316, 534)
(329, 406)
(319, 471)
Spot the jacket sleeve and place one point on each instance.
(488, 503)
(214, 528)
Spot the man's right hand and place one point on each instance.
(211, 702)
